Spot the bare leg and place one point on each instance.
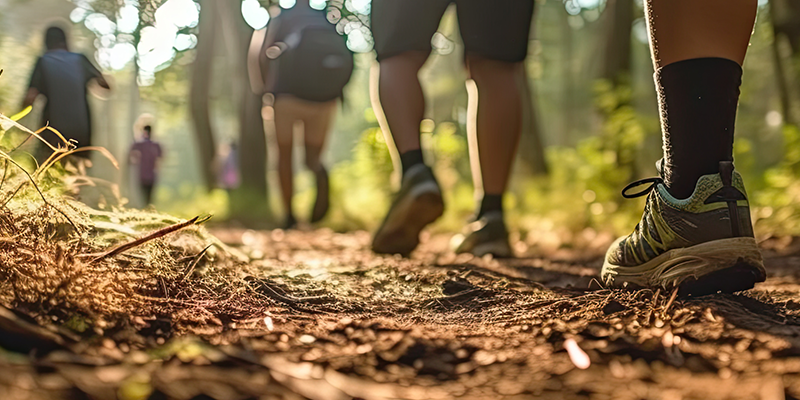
(284, 132)
(686, 29)
(498, 122)
(698, 47)
(419, 201)
(494, 126)
(402, 98)
(317, 122)
(704, 245)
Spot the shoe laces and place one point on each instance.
(653, 181)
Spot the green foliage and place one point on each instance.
(77, 323)
(577, 204)
(623, 131)
(187, 200)
(777, 204)
(360, 187)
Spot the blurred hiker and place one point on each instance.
(496, 43)
(229, 171)
(696, 231)
(62, 77)
(145, 154)
(305, 64)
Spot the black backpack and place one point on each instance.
(315, 65)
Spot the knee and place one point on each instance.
(284, 155)
(482, 69)
(409, 62)
(313, 164)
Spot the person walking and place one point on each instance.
(495, 36)
(305, 64)
(145, 154)
(696, 231)
(62, 77)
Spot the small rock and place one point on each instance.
(483, 357)
(307, 339)
(792, 305)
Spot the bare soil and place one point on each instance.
(336, 321)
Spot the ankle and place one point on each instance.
(681, 182)
(319, 170)
(698, 99)
(410, 159)
(490, 203)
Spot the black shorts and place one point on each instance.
(497, 30)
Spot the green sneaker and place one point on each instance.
(418, 203)
(487, 235)
(703, 244)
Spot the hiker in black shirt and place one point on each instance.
(62, 76)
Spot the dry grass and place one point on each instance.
(60, 258)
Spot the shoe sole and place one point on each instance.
(399, 233)
(725, 265)
(497, 248)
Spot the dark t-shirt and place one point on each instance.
(62, 76)
(147, 152)
(290, 24)
(295, 19)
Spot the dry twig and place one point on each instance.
(195, 262)
(669, 303)
(155, 235)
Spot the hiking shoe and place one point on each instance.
(488, 235)
(289, 223)
(418, 203)
(703, 244)
(322, 202)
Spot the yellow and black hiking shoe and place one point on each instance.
(418, 203)
(487, 235)
(703, 244)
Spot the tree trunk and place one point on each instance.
(253, 148)
(785, 16)
(532, 149)
(616, 70)
(200, 87)
(617, 62)
(780, 78)
(250, 199)
(568, 81)
(133, 116)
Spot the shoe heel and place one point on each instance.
(741, 276)
(427, 208)
(725, 265)
(400, 232)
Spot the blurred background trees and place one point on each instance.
(591, 120)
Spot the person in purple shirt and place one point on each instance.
(145, 153)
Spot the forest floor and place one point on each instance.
(345, 323)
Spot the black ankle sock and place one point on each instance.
(698, 100)
(410, 159)
(490, 202)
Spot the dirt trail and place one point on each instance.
(341, 322)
